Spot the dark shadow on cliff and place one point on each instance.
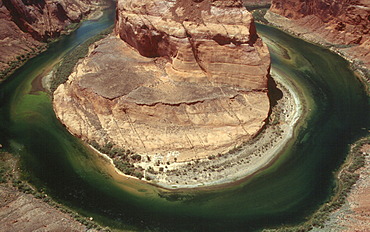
(274, 93)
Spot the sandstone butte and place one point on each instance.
(180, 79)
(344, 24)
(26, 25)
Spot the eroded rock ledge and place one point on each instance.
(25, 26)
(179, 80)
(342, 25)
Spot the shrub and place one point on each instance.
(69, 61)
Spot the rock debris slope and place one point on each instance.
(344, 24)
(23, 212)
(24, 25)
(180, 79)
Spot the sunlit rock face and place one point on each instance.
(342, 23)
(25, 24)
(210, 39)
(184, 78)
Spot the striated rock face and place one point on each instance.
(180, 78)
(342, 23)
(24, 25)
(209, 39)
(23, 212)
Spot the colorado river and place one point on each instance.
(284, 193)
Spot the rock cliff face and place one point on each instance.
(209, 39)
(24, 25)
(342, 23)
(23, 212)
(181, 79)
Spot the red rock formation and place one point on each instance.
(215, 38)
(190, 79)
(45, 19)
(342, 23)
(24, 25)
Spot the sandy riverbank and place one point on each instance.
(238, 163)
(96, 14)
(243, 161)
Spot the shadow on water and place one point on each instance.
(274, 93)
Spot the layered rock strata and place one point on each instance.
(25, 25)
(179, 79)
(343, 24)
(23, 212)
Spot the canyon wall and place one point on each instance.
(26, 24)
(180, 79)
(256, 3)
(218, 40)
(342, 24)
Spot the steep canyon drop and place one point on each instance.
(184, 79)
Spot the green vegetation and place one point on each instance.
(3, 173)
(123, 159)
(72, 27)
(252, 7)
(346, 179)
(113, 151)
(20, 60)
(258, 11)
(7, 164)
(259, 15)
(69, 61)
(12, 176)
(362, 73)
(86, 221)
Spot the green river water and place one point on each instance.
(284, 193)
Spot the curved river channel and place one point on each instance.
(286, 192)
